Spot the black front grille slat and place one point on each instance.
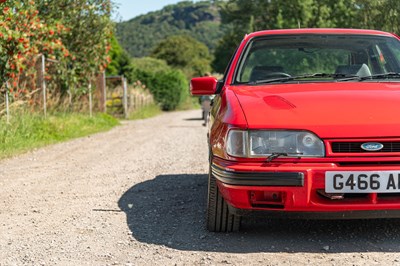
(355, 147)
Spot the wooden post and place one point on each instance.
(104, 93)
(90, 100)
(7, 104)
(125, 99)
(101, 91)
(44, 85)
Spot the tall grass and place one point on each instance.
(27, 131)
(146, 112)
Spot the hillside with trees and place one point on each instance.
(200, 20)
(193, 38)
(220, 25)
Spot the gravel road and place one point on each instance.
(136, 196)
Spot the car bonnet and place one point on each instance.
(329, 109)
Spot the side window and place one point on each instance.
(392, 53)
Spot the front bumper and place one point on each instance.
(269, 179)
(297, 189)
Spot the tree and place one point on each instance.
(184, 53)
(244, 16)
(88, 36)
(121, 63)
(75, 33)
(379, 14)
(23, 35)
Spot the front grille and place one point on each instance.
(374, 163)
(355, 147)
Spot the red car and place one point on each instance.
(305, 124)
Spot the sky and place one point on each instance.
(128, 9)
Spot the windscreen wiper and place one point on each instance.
(272, 80)
(382, 76)
(307, 76)
(276, 155)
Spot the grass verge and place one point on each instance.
(146, 112)
(28, 131)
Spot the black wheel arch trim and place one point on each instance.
(274, 179)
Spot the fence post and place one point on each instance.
(44, 85)
(101, 91)
(104, 104)
(90, 100)
(7, 104)
(125, 99)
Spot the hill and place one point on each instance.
(201, 20)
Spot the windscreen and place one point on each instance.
(272, 57)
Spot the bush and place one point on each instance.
(150, 64)
(169, 88)
(184, 53)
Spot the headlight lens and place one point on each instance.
(263, 143)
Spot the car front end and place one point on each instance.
(305, 125)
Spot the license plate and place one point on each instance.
(362, 182)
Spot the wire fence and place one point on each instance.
(124, 99)
(36, 92)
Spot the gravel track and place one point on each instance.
(136, 195)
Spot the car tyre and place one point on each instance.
(219, 218)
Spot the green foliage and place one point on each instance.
(121, 63)
(244, 16)
(27, 131)
(169, 88)
(88, 35)
(150, 64)
(23, 35)
(225, 49)
(184, 53)
(145, 69)
(200, 20)
(73, 34)
(382, 15)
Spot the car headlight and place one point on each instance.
(263, 143)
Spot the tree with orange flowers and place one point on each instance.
(22, 34)
(78, 38)
(87, 38)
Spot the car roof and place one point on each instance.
(318, 31)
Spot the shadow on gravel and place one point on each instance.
(194, 119)
(170, 209)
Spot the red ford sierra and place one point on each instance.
(305, 124)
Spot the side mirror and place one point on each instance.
(203, 86)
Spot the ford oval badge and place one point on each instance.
(372, 146)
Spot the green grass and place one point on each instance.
(28, 131)
(146, 112)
